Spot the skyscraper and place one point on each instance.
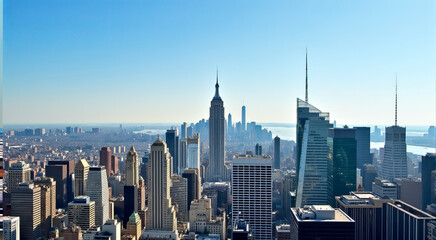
(81, 212)
(369, 173)
(342, 145)
(161, 214)
(183, 131)
(134, 225)
(277, 152)
(229, 125)
(114, 163)
(179, 196)
(193, 151)
(428, 165)
(59, 174)
(11, 228)
(80, 176)
(194, 184)
(18, 172)
(252, 193)
(216, 170)
(171, 137)
(363, 155)
(70, 177)
(394, 163)
(26, 204)
(314, 168)
(244, 123)
(132, 183)
(48, 203)
(105, 159)
(258, 149)
(97, 190)
(132, 168)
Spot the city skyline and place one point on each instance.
(260, 51)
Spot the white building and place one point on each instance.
(252, 193)
(193, 151)
(97, 190)
(11, 228)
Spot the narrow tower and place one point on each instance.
(307, 82)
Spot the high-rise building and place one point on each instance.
(132, 183)
(171, 138)
(363, 155)
(26, 204)
(252, 193)
(342, 145)
(277, 152)
(216, 170)
(394, 163)
(366, 209)
(18, 172)
(179, 196)
(48, 203)
(59, 174)
(141, 194)
(194, 184)
(193, 151)
(283, 232)
(410, 191)
(369, 173)
(11, 228)
(80, 176)
(132, 168)
(200, 219)
(114, 163)
(113, 227)
(134, 226)
(385, 188)
(70, 178)
(404, 221)
(183, 131)
(97, 190)
(258, 149)
(81, 212)
(428, 165)
(229, 125)
(105, 159)
(182, 156)
(321, 222)
(241, 231)
(314, 169)
(244, 123)
(161, 214)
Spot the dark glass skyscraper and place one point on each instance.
(244, 123)
(428, 165)
(277, 152)
(216, 170)
(363, 155)
(171, 138)
(342, 145)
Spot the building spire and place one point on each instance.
(217, 94)
(307, 97)
(396, 99)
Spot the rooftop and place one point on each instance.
(320, 213)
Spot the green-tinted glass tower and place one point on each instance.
(342, 145)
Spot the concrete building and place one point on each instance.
(179, 196)
(283, 232)
(113, 227)
(369, 173)
(70, 178)
(11, 228)
(80, 177)
(410, 191)
(134, 226)
(26, 204)
(81, 212)
(19, 172)
(161, 214)
(48, 203)
(193, 152)
(252, 193)
(60, 175)
(385, 189)
(105, 160)
(406, 222)
(97, 190)
(321, 222)
(132, 183)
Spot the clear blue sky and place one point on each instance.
(154, 61)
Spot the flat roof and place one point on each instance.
(340, 216)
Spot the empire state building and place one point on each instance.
(216, 170)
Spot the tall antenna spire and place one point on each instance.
(217, 75)
(307, 97)
(396, 99)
